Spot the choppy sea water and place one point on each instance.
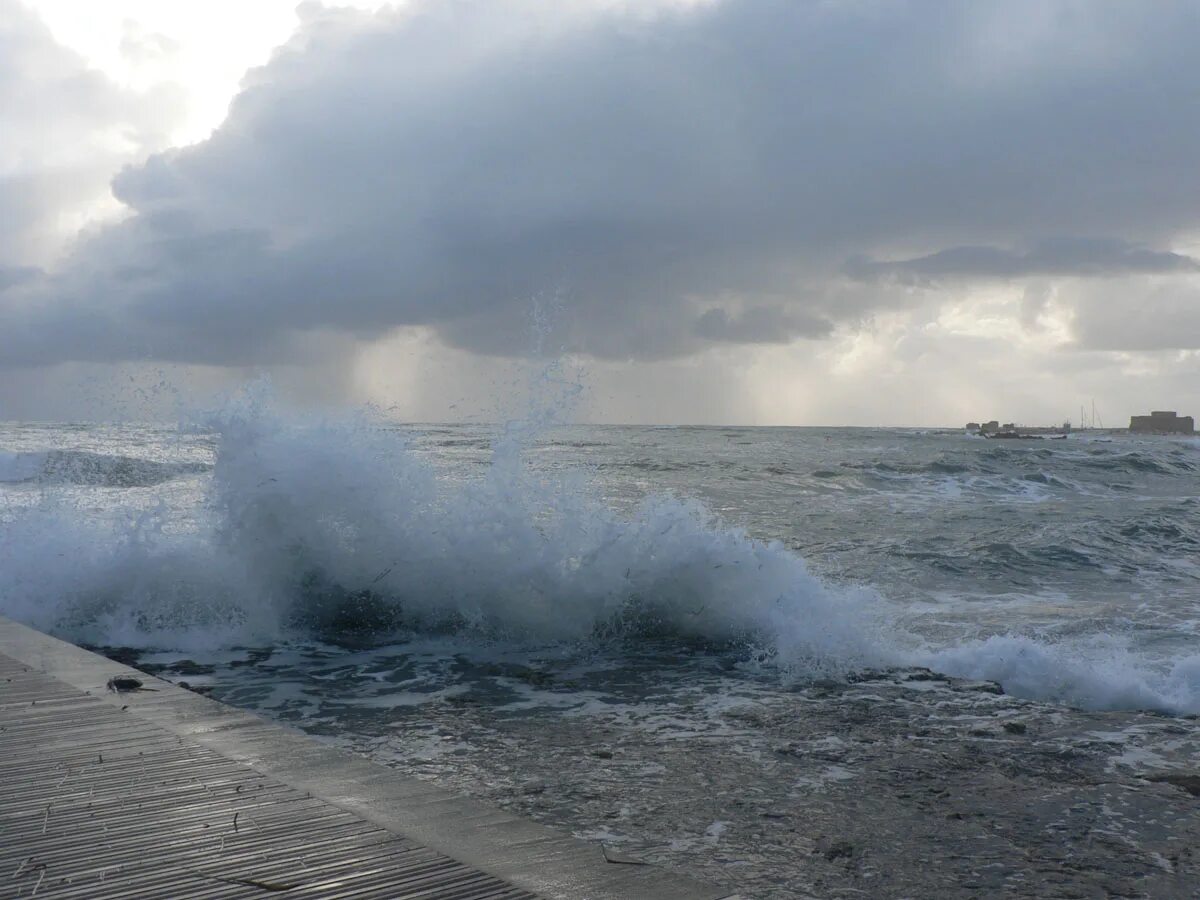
(827, 662)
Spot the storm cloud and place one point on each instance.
(1062, 257)
(730, 171)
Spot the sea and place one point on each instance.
(800, 662)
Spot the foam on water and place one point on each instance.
(1100, 673)
(338, 529)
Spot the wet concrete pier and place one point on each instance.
(159, 792)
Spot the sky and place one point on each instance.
(711, 211)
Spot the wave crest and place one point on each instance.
(84, 467)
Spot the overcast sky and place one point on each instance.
(753, 211)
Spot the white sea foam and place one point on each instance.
(1098, 673)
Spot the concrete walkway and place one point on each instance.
(164, 793)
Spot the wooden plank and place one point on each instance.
(122, 823)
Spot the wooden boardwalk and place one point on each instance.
(167, 794)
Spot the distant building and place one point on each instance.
(1162, 422)
(989, 427)
(972, 426)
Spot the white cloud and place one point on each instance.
(1127, 314)
(66, 130)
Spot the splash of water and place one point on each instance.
(340, 529)
(329, 528)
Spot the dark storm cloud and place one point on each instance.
(443, 164)
(1064, 257)
(761, 325)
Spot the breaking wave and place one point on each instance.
(338, 531)
(334, 530)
